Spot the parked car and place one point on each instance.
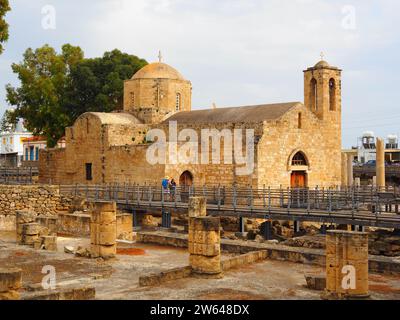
(372, 163)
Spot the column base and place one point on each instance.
(207, 275)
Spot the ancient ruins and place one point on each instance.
(183, 249)
(100, 223)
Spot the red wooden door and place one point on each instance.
(298, 179)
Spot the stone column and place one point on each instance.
(197, 207)
(30, 233)
(10, 282)
(22, 218)
(346, 264)
(344, 170)
(350, 176)
(204, 240)
(380, 163)
(103, 230)
(374, 181)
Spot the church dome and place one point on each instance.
(322, 64)
(158, 70)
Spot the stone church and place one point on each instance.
(295, 144)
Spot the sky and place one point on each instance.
(235, 52)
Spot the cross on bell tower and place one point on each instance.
(159, 56)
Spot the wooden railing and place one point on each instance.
(18, 175)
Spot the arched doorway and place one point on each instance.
(186, 179)
(299, 165)
(185, 182)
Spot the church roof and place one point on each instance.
(322, 64)
(257, 113)
(115, 118)
(158, 70)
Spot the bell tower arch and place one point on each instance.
(322, 90)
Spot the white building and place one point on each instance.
(32, 147)
(367, 148)
(11, 144)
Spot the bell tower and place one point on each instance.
(322, 90)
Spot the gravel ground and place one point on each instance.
(118, 278)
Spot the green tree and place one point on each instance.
(7, 122)
(44, 77)
(57, 88)
(4, 8)
(97, 84)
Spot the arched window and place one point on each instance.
(299, 124)
(332, 95)
(178, 102)
(313, 94)
(299, 159)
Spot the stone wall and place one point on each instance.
(78, 224)
(50, 166)
(151, 100)
(116, 152)
(43, 200)
(318, 140)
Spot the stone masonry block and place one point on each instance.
(206, 265)
(107, 238)
(204, 224)
(25, 217)
(31, 229)
(105, 206)
(30, 240)
(49, 242)
(108, 252)
(94, 250)
(10, 279)
(10, 295)
(346, 248)
(112, 227)
(197, 207)
(107, 217)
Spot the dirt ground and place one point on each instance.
(118, 278)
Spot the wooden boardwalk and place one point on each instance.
(363, 207)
